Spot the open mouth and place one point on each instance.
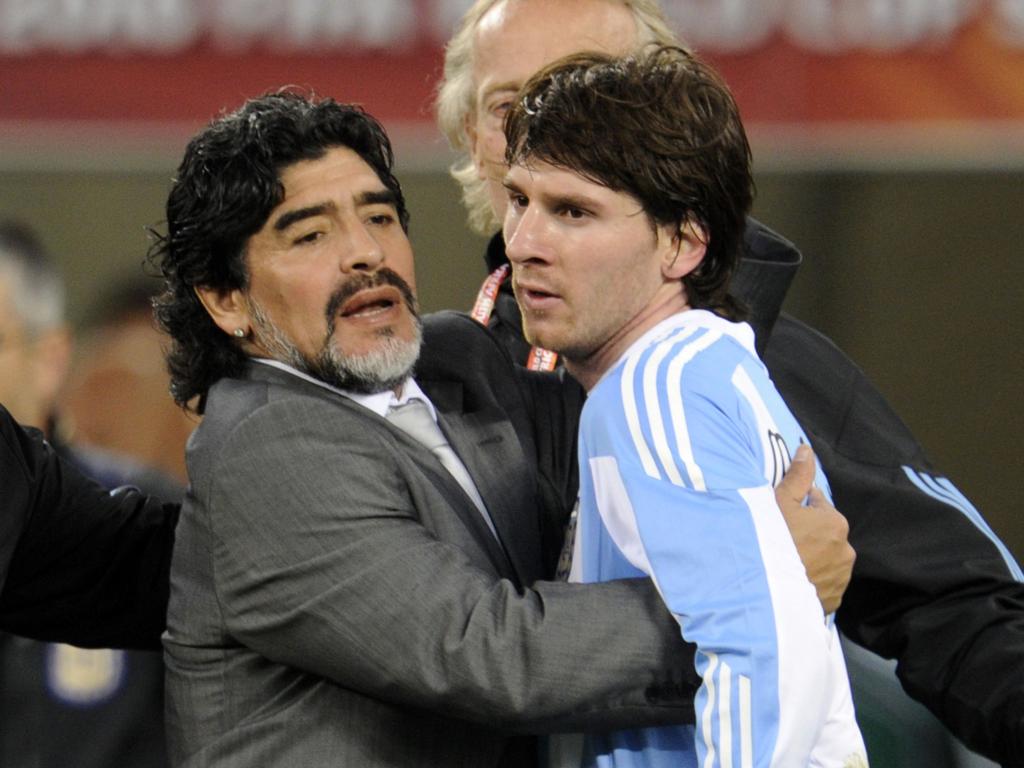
(372, 301)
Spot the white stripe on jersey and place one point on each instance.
(746, 724)
(765, 423)
(652, 407)
(654, 419)
(674, 389)
(725, 716)
(633, 418)
(617, 513)
(709, 687)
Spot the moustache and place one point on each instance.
(364, 280)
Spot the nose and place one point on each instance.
(526, 237)
(361, 251)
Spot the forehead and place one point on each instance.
(516, 38)
(543, 179)
(340, 173)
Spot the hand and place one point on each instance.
(819, 531)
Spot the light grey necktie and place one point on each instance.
(414, 418)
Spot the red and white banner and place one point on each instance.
(803, 64)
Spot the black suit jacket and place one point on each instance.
(77, 564)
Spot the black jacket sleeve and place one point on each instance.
(557, 400)
(78, 564)
(932, 586)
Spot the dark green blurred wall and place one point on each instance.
(917, 276)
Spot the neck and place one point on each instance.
(589, 369)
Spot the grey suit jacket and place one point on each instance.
(337, 600)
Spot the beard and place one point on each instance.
(382, 368)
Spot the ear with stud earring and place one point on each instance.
(239, 333)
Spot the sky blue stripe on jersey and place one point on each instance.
(941, 489)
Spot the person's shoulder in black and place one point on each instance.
(78, 564)
(932, 586)
(544, 407)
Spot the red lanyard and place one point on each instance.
(539, 359)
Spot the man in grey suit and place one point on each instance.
(342, 594)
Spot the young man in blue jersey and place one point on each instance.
(628, 188)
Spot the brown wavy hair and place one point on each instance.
(660, 125)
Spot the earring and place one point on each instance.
(239, 333)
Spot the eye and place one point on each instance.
(382, 219)
(517, 200)
(572, 212)
(499, 107)
(309, 237)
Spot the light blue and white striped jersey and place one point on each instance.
(681, 443)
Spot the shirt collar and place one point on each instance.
(378, 402)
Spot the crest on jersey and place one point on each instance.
(779, 458)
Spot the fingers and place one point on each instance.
(816, 500)
(799, 478)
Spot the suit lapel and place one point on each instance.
(490, 449)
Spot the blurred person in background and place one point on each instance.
(61, 705)
(933, 588)
(119, 382)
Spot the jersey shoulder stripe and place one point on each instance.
(941, 489)
(667, 385)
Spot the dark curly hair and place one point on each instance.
(225, 189)
(660, 125)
